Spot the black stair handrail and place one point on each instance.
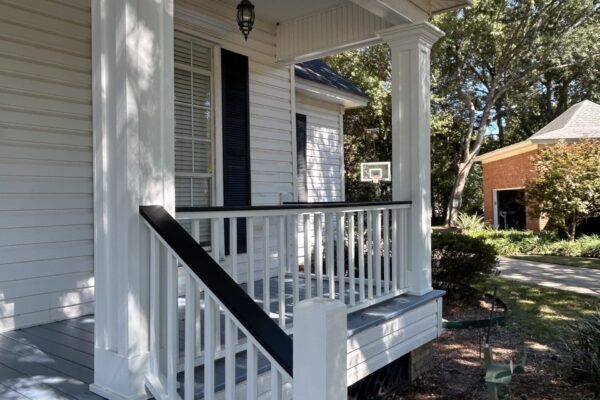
(266, 332)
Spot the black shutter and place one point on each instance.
(236, 138)
(301, 152)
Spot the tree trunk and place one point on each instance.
(455, 200)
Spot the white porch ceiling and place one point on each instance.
(285, 10)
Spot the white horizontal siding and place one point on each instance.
(323, 149)
(46, 199)
(376, 347)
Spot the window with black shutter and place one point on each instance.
(236, 138)
(193, 127)
(301, 157)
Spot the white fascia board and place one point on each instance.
(465, 3)
(508, 151)
(328, 93)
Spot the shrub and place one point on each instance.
(459, 260)
(509, 242)
(586, 349)
(470, 222)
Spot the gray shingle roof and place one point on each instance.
(319, 72)
(579, 121)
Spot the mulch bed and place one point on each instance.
(458, 372)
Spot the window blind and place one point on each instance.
(193, 127)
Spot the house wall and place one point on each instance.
(323, 157)
(323, 149)
(271, 150)
(46, 233)
(270, 93)
(508, 173)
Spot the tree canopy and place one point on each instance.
(566, 187)
(504, 69)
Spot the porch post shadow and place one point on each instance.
(132, 67)
(411, 165)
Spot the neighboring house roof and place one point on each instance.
(580, 121)
(319, 72)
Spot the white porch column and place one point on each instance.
(411, 176)
(132, 47)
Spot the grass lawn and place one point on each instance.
(540, 313)
(593, 263)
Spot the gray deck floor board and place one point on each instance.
(64, 367)
(32, 387)
(50, 347)
(70, 331)
(67, 385)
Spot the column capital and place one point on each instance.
(408, 35)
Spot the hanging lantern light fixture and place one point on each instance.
(245, 17)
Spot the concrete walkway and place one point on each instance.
(579, 280)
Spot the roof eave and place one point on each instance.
(465, 3)
(508, 151)
(331, 94)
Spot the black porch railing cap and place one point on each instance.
(296, 206)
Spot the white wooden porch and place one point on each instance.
(56, 361)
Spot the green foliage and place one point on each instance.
(459, 260)
(505, 61)
(587, 349)
(567, 184)
(470, 222)
(510, 243)
(367, 130)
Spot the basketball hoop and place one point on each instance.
(375, 175)
(375, 172)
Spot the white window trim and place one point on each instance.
(216, 115)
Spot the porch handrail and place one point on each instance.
(229, 294)
(360, 246)
(286, 208)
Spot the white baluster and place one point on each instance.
(351, 260)
(395, 255)
(276, 382)
(266, 268)
(233, 248)
(251, 371)
(295, 266)
(307, 258)
(230, 341)
(329, 254)
(209, 346)
(250, 253)
(215, 242)
(190, 335)
(282, 268)
(386, 251)
(196, 230)
(361, 255)
(172, 327)
(377, 252)
(340, 257)
(319, 253)
(370, 254)
(404, 266)
(155, 280)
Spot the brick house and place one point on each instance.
(506, 170)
